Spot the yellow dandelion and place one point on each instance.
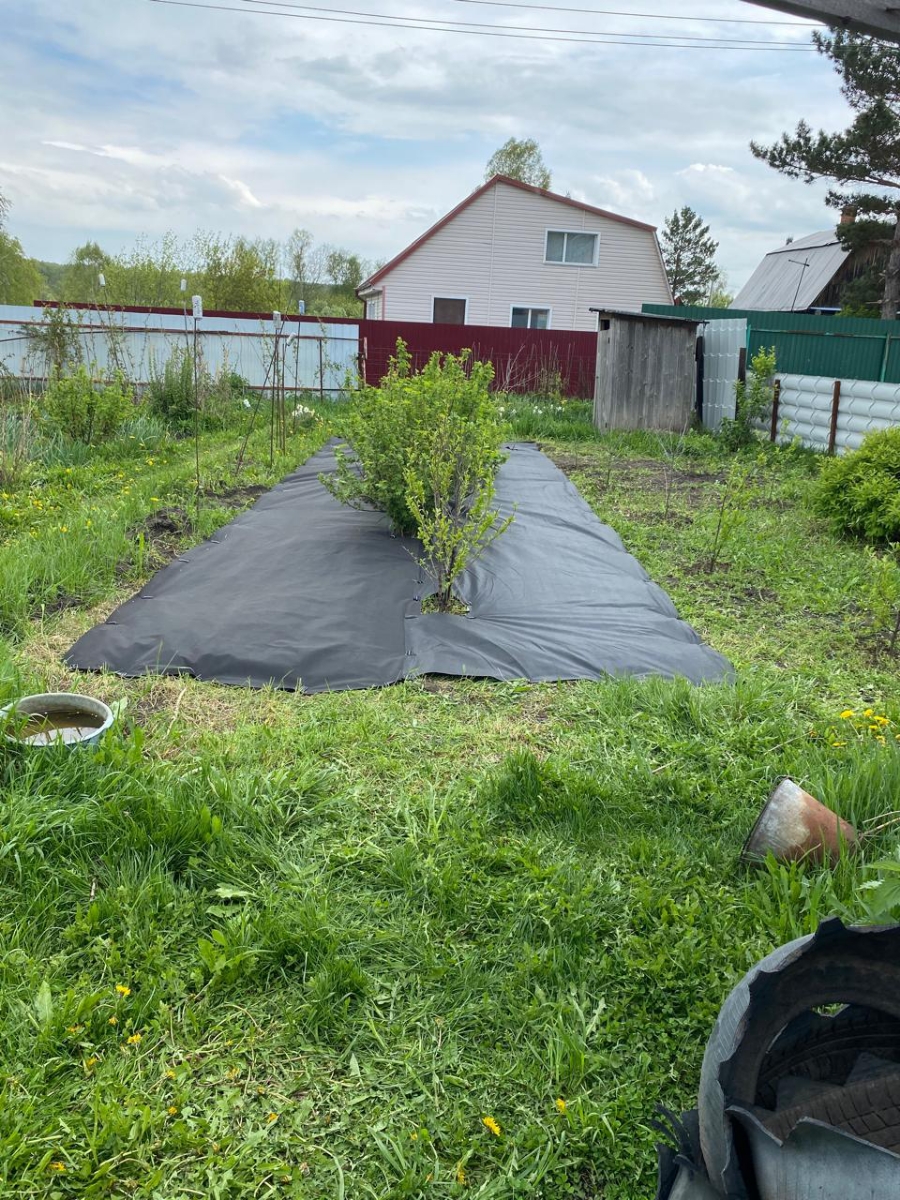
(881, 720)
(562, 1106)
(172, 1110)
(839, 743)
(170, 1074)
(90, 1063)
(461, 1176)
(58, 1166)
(123, 989)
(868, 712)
(272, 1117)
(492, 1125)
(135, 1039)
(847, 714)
(113, 1021)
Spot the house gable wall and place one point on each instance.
(492, 253)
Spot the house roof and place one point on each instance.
(781, 283)
(477, 194)
(623, 314)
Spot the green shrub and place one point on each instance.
(424, 448)
(386, 428)
(860, 492)
(171, 394)
(753, 402)
(450, 474)
(83, 411)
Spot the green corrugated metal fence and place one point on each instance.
(832, 347)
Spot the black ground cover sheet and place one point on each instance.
(303, 593)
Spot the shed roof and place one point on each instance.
(782, 283)
(626, 315)
(477, 194)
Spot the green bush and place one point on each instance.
(424, 448)
(171, 394)
(80, 409)
(860, 492)
(450, 473)
(753, 402)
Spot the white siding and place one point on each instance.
(493, 253)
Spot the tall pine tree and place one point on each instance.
(863, 160)
(689, 254)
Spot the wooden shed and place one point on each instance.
(646, 371)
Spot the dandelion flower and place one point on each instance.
(172, 1110)
(134, 1039)
(58, 1166)
(123, 989)
(847, 714)
(272, 1117)
(461, 1176)
(113, 1021)
(562, 1106)
(170, 1074)
(492, 1125)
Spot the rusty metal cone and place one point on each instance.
(795, 825)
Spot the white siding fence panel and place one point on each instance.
(805, 410)
(722, 345)
(317, 355)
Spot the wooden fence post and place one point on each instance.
(776, 399)
(835, 406)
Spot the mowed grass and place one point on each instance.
(264, 944)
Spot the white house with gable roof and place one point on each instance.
(516, 255)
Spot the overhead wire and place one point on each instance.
(429, 22)
(612, 12)
(644, 40)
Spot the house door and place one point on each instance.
(450, 310)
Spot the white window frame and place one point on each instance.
(444, 296)
(594, 233)
(532, 308)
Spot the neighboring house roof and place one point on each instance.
(782, 283)
(367, 284)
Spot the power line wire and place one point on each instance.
(393, 23)
(429, 22)
(611, 12)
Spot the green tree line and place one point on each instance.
(252, 274)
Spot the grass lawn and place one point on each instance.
(449, 938)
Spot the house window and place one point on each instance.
(530, 318)
(572, 249)
(449, 310)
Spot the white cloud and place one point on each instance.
(139, 118)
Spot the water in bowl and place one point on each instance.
(66, 725)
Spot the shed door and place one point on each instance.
(449, 311)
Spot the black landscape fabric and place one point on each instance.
(303, 593)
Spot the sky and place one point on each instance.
(122, 119)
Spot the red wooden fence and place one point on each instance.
(525, 360)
